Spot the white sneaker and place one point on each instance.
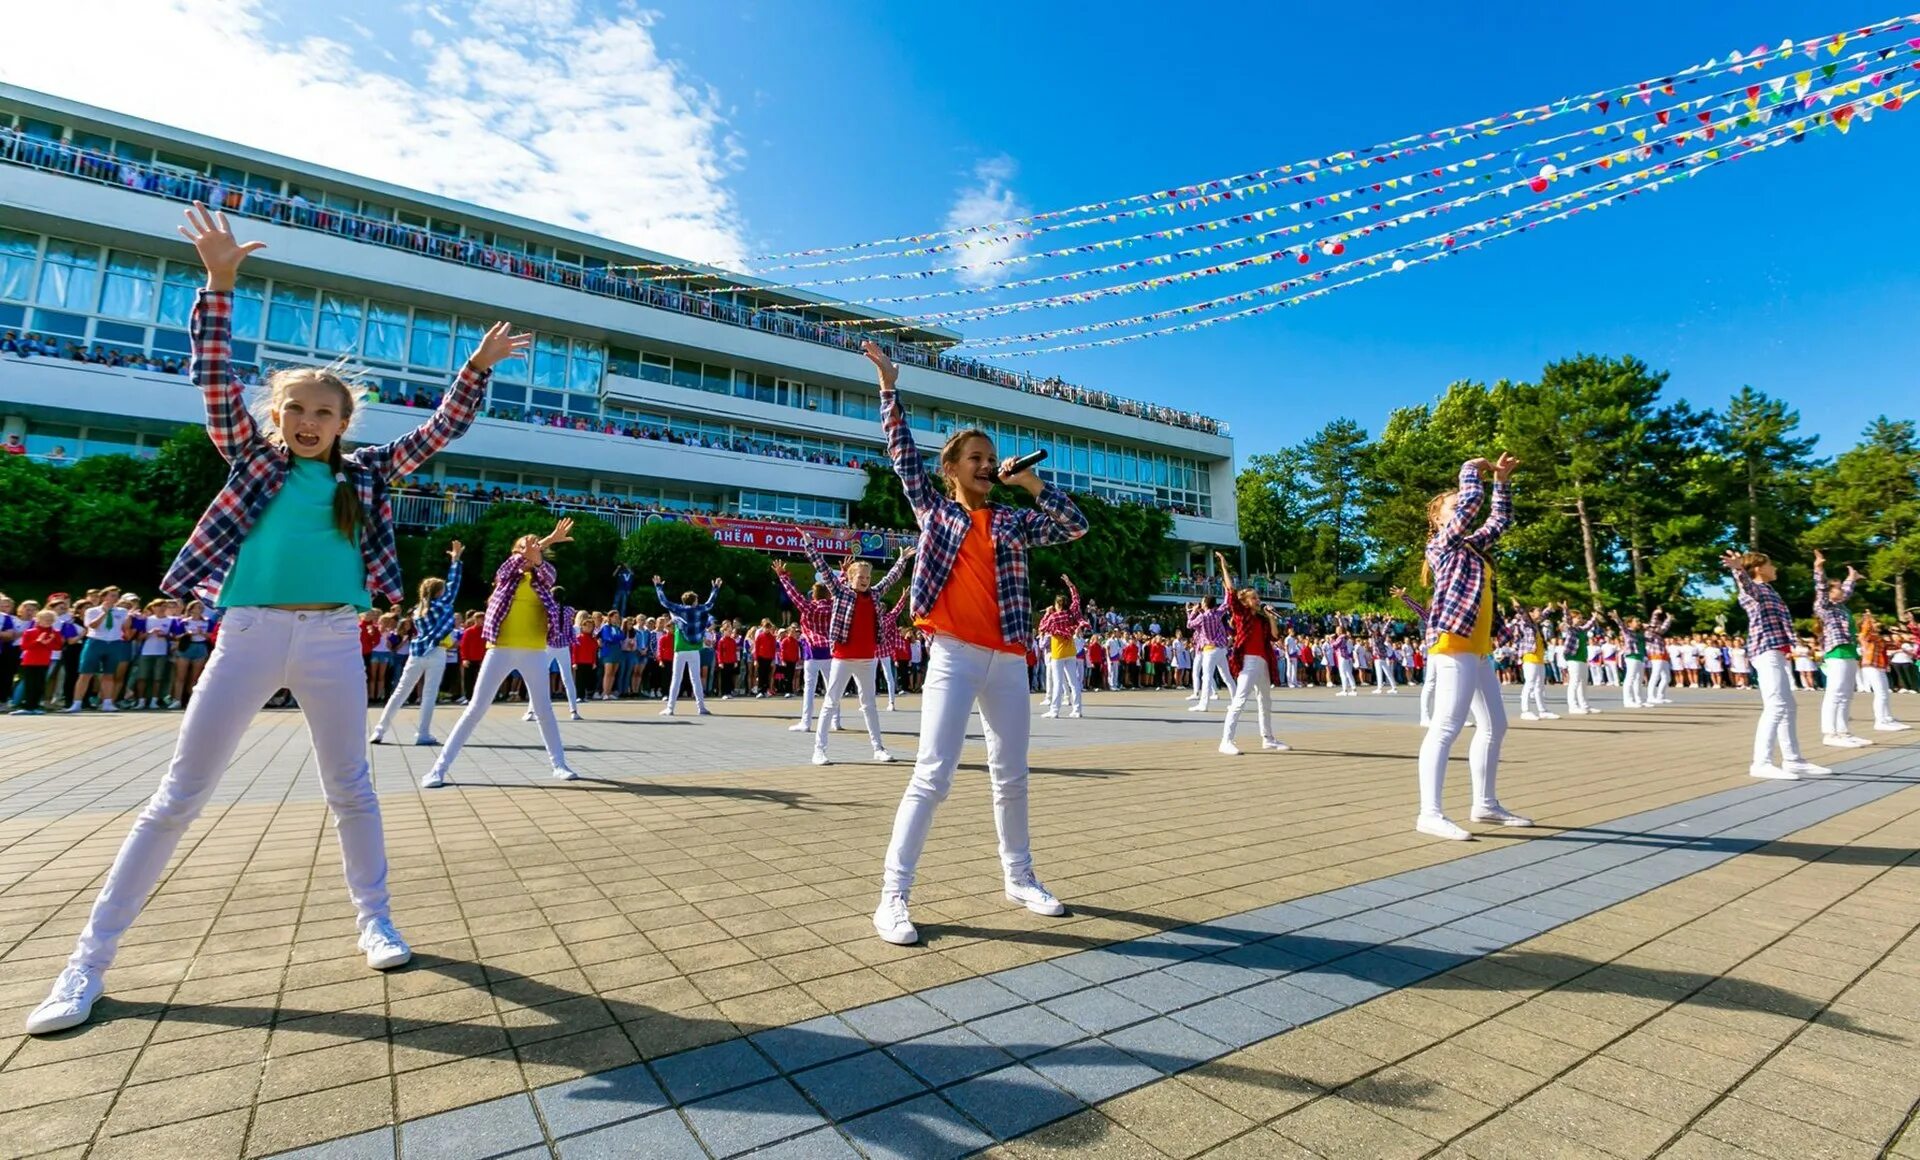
(800, 726)
(1771, 772)
(374, 737)
(1890, 727)
(666, 712)
(75, 707)
(1438, 826)
(575, 716)
(1028, 892)
(434, 779)
(1593, 712)
(1196, 708)
(891, 923)
(426, 739)
(890, 707)
(1074, 716)
(527, 716)
(1854, 741)
(1049, 713)
(109, 707)
(1805, 768)
(384, 946)
(565, 774)
(1274, 743)
(1529, 716)
(1500, 815)
(882, 755)
(1549, 716)
(70, 1002)
(1230, 749)
(820, 757)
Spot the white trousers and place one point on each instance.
(1876, 682)
(1771, 669)
(1660, 680)
(1533, 689)
(893, 679)
(1383, 675)
(1113, 673)
(531, 664)
(424, 670)
(1466, 685)
(1208, 667)
(1063, 685)
(1576, 686)
(1346, 675)
(1835, 705)
(1632, 695)
(839, 672)
(1293, 672)
(316, 655)
(563, 656)
(958, 676)
(1428, 688)
(1255, 680)
(812, 672)
(688, 663)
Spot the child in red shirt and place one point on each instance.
(36, 654)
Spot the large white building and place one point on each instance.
(760, 394)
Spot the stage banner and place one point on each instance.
(765, 536)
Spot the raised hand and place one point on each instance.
(779, 568)
(889, 373)
(656, 581)
(717, 582)
(1026, 478)
(1819, 558)
(498, 345)
(219, 251)
(1479, 465)
(562, 532)
(454, 549)
(1396, 592)
(1505, 466)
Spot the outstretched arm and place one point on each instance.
(1073, 596)
(896, 573)
(229, 423)
(1226, 575)
(1502, 517)
(823, 572)
(921, 493)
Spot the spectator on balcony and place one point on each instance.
(14, 446)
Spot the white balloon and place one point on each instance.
(1399, 264)
(1549, 172)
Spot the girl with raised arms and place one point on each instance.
(296, 544)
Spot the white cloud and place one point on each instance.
(529, 106)
(986, 199)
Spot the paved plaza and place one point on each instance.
(673, 957)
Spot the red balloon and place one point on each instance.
(1339, 247)
(1304, 257)
(1538, 185)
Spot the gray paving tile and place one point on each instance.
(733, 1122)
(814, 1041)
(1232, 1023)
(375, 1145)
(1214, 976)
(707, 1070)
(1102, 965)
(660, 1136)
(1161, 991)
(819, 1144)
(1097, 1010)
(596, 1100)
(1037, 981)
(1266, 959)
(474, 1132)
(1013, 1101)
(896, 1019)
(1093, 1070)
(928, 1128)
(946, 1056)
(1167, 1045)
(1025, 1031)
(858, 1084)
(972, 998)
(1283, 1001)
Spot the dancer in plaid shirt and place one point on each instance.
(1769, 640)
(970, 596)
(1460, 627)
(298, 541)
(426, 652)
(1060, 627)
(1842, 654)
(816, 626)
(1210, 640)
(1873, 673)
(855, 630)
(1659, 658)
(892, 641)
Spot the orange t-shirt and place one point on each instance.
(968, 608)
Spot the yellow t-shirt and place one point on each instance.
(1060, 647)
(1480, 643)
(525, 625)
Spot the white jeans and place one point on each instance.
(1113, 673)
(531, 664)
(1576, 686)
(811, 673)
(1210, 665)
(316, 655)
(1293, 672)
(563, 656)
(1631, 693)
(688, 663)
(1063, 685)
(424, 670)
(1659, 682)
(1467, 684)
(1257, 681)
(1835, 705)
(1771, 670)
(893, 679)
(1428, 687)
(958, 675)
(1346, 675)
(1533, 690)
(1383, 676)
(1876, 682)
(839, 672)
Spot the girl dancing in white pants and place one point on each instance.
(427, 652)
(1769, 637)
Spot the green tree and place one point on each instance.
(30, 514)
(1871, 496)
(114, 532)
(883, 504)
(1418, 456)
(1768, 467)
(687, 558)
(186, 473)
(1333, 468)
(1118, 563)
(1273, 518)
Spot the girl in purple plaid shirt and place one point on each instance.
(296, 545)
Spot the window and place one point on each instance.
(339, 323)
(290, 317)
(656, 368)
(549, 361)
(432, 340)
(70, 277)
(177, 290)
(17, 253)
(386, 332)
(249, 302)
(588, 359)
(129, 288)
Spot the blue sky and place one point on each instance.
(711, 128)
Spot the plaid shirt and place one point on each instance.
(506, 582)
(1457, 557)
(816, 616)
(259, 465)
(840, 622)
(1769, 625)
(891, 638)
(1063, 622)
(1419, 609)
(436, 623)
(1873, 649)
(1836, 626)
(944, 524)
(1209, 626)
(1657, 634)
(1633, 641)
(692, 619)
(1524, 634)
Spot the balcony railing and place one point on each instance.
(93, 165)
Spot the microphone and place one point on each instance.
(1023, 463)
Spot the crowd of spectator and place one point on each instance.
(41, 346)
(296, 210)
